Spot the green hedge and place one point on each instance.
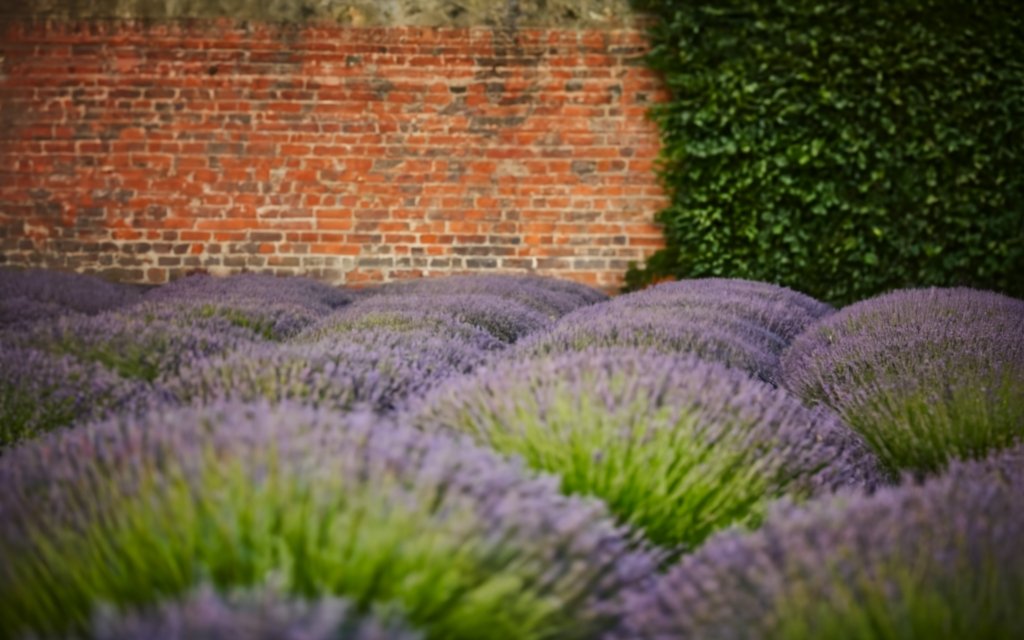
(842, 148)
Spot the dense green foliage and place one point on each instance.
(842, 148)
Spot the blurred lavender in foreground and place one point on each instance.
(33, 294)
(260, 614)
(712, 336)
(926, 375)
(780, 310)
(465, 544)
(367, 369)
(940, 560)
(676, 446)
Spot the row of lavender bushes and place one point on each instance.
(507, 457)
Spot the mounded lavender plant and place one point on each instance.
(264, 319)
(40, 392)
(731, 341)
(252, 287)
(940, 560)
(505, 319)
(675, 446)
(358, 320)
(134, 345)
(374, 370)
(780, 310)
(549, 296)
(925, 375)
(464, 543)
(26, 294)
(258, 614)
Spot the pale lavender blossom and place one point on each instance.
(28, 295)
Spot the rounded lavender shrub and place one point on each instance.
(26, 295)
(925, 375)
(358, 320)
(731, 341)
(252, 287)
(939, 560)
(780, 310)
(264, 320)
(40, 392)
(550, 297)
(134, 345)
(675, 446)
(258, 614)
(507, 320)
(130, 512)
(374, 370)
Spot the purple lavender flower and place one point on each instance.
(712, 336)
(507, 320)
(676, 446)
(377, 370)
(259, 614)
(551, 297)
(252, 287)
(940, 559)
(358, 319)
(926, 375)
(780, 310)
(135, 345)
(467, 544)
(40, 392)
(27, 295)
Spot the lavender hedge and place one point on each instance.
(368, 369)
(677, 447)
(263, 613)
(32, 294)
(926, 375)
(940, 560)
(731, 341)
(466, 545)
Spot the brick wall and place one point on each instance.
(144, 152)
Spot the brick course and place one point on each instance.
(147, 151)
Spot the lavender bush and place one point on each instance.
(677, 447)
(40, 392)
(374, 370)
(505, 319)
(32, 294)
(782, 311)
(133, 345)
(358, 320)
(926, 375)
(259, 614)
(731, 341)
(939, 560)
(551, 297)
(467, 545)
(252, 287)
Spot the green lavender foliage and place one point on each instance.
(842, 148)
